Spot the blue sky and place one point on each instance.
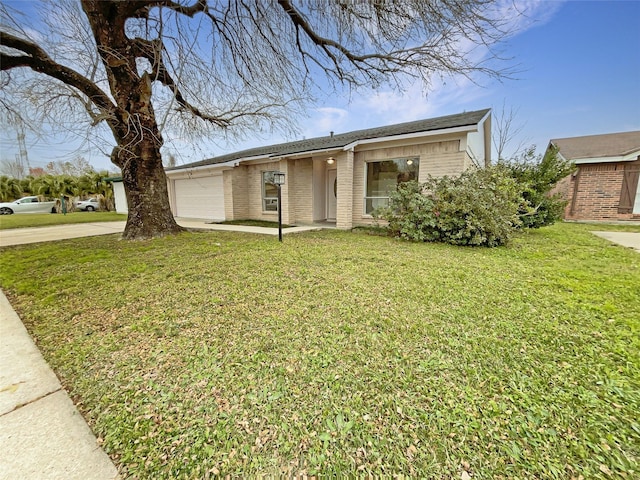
(579, 74)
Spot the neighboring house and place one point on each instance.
(338, 178)
(605, 185)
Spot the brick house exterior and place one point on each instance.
(605, 184)
(338, 178)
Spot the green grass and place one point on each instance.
(253, 223)
(342, 354)
(46, 219)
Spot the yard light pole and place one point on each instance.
(278, 179)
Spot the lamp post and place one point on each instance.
(278, 179)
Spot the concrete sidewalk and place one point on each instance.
(626, 239)
(42, 435)
(20, 236)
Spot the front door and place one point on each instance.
(332, 194)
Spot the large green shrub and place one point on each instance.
(480, 207)
(537, 176)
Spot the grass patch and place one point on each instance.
(47, 219)
(252, 223)
(610, 227)
(338, 354)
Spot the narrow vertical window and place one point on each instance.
(269, 193)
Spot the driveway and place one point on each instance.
(20, 236)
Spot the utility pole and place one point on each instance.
(24, 158)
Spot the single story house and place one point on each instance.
(605, 184)
(339, 178)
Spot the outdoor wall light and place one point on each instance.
(331, 160)
(278, 178)
(409, 162)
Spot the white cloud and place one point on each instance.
(370, 108)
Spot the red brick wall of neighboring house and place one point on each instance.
(593, 192)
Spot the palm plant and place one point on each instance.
(10, 188)
(68, 189)
(47, 186)
(93, 183)
(27, 185)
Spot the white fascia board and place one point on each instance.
(411, 136)
(218, 166)
(202, 168)
(250, 159)
(486, 115)
(630, 157)
(307, 153)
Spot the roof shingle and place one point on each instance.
(340, 140)
(597, 146)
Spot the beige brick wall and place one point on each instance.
(345, 166)
(243, 186)
(253, 178)
(436, 159)
(236, 205)
(302, 197)
(288, 189)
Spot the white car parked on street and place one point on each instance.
(27, 205)
(89, 205)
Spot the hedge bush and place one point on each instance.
(479, 208)
(537, 176)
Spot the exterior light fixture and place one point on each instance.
(409, 162)
(278, 180)
(331, 160)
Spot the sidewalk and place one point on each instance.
(42, 435)
(626, 239)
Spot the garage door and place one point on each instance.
(200, 198)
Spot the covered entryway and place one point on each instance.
(200, 197)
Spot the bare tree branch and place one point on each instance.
(38, 60)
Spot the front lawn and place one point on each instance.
(342, 354)
(47, 219)
(252, 223)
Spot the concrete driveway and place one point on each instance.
(20, 236)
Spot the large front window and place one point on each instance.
(269, 193)
(383, 178)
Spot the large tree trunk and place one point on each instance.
(145, 185)
(133, 123)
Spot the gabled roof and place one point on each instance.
(616, 145)
(343, 139)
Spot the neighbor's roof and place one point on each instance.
(598, 146)
(342, 139)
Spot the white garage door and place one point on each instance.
(200, 198)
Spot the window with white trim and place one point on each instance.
(269, 193)
(383, 177)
